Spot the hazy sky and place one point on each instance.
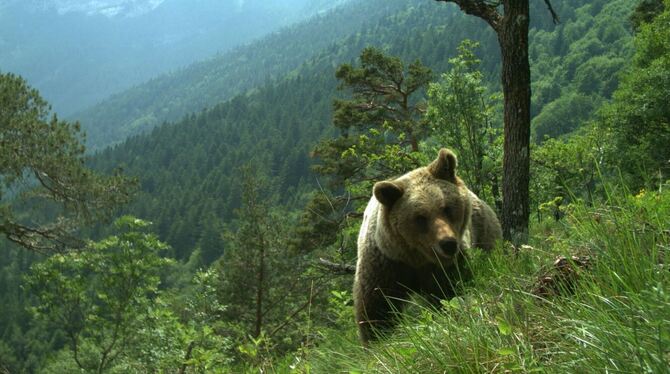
(106, 7)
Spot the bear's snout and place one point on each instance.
(449, 246)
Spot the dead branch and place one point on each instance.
(482, 9)
(337, 268)
(312, 294)
(554, 16)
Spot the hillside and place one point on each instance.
(223, 152)
(207, 83)
(79, 52)
(185, 167)
(184, 183)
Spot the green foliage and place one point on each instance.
(101, 297)
(41, 164)
(261, 283)
(575, 67)
(638, 116)
(107, 303)
(645, 12)
(462, 116)
(564, 115)
(202, 328)
(569, 168)
(380, 125)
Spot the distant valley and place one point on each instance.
(79, 52)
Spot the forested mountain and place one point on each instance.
(169, 97)
(207, 83)
(223, 152)
(186, 168)
(79, 52)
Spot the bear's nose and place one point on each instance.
(449, 246)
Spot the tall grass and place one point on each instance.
(611, 316)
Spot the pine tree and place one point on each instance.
(42, 166)
(380, 125)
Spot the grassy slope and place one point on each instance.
(614, 318)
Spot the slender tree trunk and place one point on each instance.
(189, 351)
(495, 191)
(259, 291)
(513, 39)
(493, 176)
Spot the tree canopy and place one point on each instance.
(42, 167)
(639, 116)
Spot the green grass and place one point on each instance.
(615, 317)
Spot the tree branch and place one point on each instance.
(45, 239)
(288, 319)
(337, 268)
(189, 351)
(75, 348)
(554, 16)
(485, 10)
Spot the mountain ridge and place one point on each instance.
(206, 83)
(76, 55)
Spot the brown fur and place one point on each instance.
(413, 238)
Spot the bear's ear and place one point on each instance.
(444, 166)
(387, 193)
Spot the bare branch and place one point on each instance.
(309, 301)
(337, 268)
(554, 16)
(55, 237)
(75, 348)
(485, 10)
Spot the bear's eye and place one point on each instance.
(421, 221)
(448, 211)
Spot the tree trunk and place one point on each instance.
(189, 351)
(259, 291)
(513, 39)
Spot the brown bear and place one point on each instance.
(413, 238)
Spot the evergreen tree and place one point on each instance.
(381, 130)
(42, 165)
(262, 283)
(380, 125)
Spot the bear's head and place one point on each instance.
(425, 214)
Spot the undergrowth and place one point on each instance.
(603, 306)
